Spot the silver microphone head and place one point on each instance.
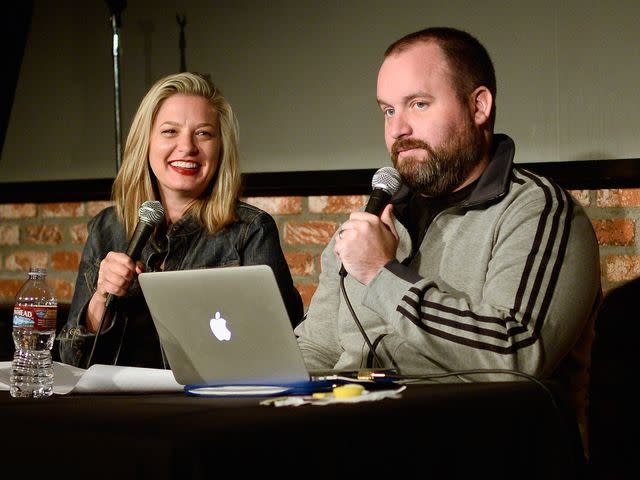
(151, 212)
(387, 179)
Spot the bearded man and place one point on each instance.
(477, 270)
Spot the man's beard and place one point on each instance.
(443, 170)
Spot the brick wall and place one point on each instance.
(52, 235)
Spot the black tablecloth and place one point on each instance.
(499, 430)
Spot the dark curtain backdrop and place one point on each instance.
(16, 20)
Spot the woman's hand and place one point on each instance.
(117, 273)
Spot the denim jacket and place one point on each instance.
(131, 338)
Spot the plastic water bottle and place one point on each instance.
(34, 329)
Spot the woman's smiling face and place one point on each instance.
(184, 146)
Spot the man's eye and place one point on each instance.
(420, 105)
(389, 112)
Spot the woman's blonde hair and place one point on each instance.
(136, 183)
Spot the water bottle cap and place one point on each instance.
(39, 272)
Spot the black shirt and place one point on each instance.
(422, 210)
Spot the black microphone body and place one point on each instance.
(377, 201)
(139, 239)
(386, 182)
(150, 215)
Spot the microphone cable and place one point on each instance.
(95, 339)
(355, 319)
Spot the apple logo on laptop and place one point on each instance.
(219, 327)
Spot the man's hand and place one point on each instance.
(365, 243)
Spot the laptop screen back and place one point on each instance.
(224, 326)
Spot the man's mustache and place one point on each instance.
(407, 144)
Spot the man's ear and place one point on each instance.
(481, 102)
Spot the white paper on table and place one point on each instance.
(103, 379)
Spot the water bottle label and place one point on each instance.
(36, 317)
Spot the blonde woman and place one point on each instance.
(182, 150)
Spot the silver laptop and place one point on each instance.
(224, 326)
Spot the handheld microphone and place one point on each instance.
(150, 214)
(385, 183)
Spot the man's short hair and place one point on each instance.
(468, 59)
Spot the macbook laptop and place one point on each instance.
(228, 327)
(224, 326)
